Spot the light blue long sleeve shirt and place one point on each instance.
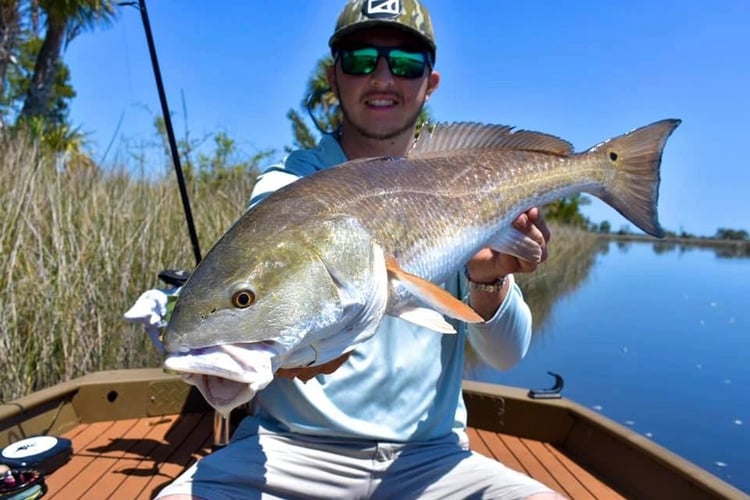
(403, 384)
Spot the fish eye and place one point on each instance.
(243, 299)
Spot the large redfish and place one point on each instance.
(310, 272)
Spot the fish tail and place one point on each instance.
(635, 159)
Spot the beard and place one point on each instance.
(410, 122)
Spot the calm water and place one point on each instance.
(659, 342)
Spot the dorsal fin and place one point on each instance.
(469, 135)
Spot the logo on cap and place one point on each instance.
(382, 8)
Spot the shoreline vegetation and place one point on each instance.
(80, 244)
(722, 247)
(679, 240)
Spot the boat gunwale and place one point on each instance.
(579, 431)
(609, 450)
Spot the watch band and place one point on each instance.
(485, 287)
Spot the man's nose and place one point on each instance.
(381, 75)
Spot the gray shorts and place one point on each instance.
(262, 464)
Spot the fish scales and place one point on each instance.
(411, 206)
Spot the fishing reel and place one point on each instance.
(41, 453)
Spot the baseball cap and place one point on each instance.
(409, 16)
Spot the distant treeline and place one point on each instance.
(722, 234)
(568, 211)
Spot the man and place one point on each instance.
(386, 420)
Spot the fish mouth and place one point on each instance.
(228, 375)
(222, 394)
(243, 362)
(176, 343)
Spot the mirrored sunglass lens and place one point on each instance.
(359, 61)
(406, 64)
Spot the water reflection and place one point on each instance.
(573, 253)
(571, 258)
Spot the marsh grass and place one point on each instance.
(79, 245)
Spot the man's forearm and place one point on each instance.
(502, 341)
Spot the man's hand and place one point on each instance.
(305, 374)
(489, 265)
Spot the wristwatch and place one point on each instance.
(485, 287)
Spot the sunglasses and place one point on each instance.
(402, 63)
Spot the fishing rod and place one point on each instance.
(141, 6)
(177, 278)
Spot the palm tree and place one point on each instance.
(10, 28)
(65, 19)
(320, 103)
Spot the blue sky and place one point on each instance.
(584, 70)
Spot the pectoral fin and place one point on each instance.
(431, 294)
(516, 243)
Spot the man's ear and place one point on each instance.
(433, 82)
(331, 75)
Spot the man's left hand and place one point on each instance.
(489, 266)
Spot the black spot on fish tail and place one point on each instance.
(635, 161)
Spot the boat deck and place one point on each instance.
(134, 431)
(135, 458)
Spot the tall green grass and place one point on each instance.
(78, 247)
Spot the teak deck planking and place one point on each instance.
(135, 458)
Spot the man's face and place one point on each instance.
(380, 105)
